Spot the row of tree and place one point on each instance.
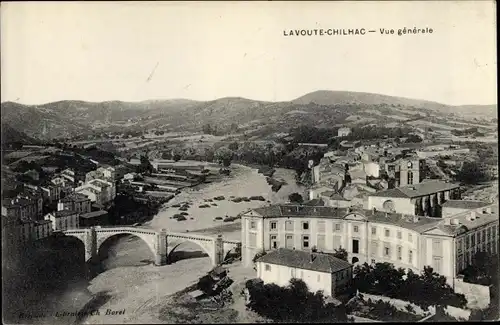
(294, 303)
(428, 288)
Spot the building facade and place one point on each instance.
(407, 241)
(408, 171)
(63, 220)
(343, 132)
(75, 202)
(424, 199)
(319, 271)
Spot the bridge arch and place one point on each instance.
(206, 244)
(148, 237)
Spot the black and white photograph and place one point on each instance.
(177, 162)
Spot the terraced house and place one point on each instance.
(408, 241)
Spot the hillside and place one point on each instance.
(319, 108)
(10, 135)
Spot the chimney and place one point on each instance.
(472, 216)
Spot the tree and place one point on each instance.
(295, 198)
(340, 253)
(233, 146)
(207, 129)
(224, 156)
(471, 173)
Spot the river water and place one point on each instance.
(52, 288)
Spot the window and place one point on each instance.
(289, 225)
(488, 234)
(437, 264)
(467, 242)
(437, 247)
(321, 226)
(387, 250)
(373, 261)
(319, 277)
(355, 246)
(399, 235)
(305, 241)
(305, 225)
(356, 229)
(268, 267)
(410, 238)
(387, 233)
(483, 236)
(252, 240)
(410, 178)
(320, 244)
(410, 256)
(460, 246)
(252, 224)
(400, 253)
(374, 230)
(274, 225)
(374, 247)
(274, 242)
(337, 227)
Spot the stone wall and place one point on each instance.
(478, 296)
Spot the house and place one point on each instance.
(63, 220)
(343, 132)
(69, 175)
(319, 271)
(51, 192)
(333, 199)
(94, 218)
(129, 177)
(75, 202)
(424, 199)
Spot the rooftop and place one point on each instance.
(93, 214)
(304, 260)
(416, 190)
(292, 210)
(465, 204)
(75, 197)
(63, 213)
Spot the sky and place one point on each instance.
(138, 51)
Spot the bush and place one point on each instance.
(237, 200)
(184, 213)
(181, 218)
(257, 198)
(424, 290)
(177, 216)
(176, 205)
(218, 218)
(294, 303)
(204, 206)
(219, 198)
(214, 204)
(184, 208)
(245, 199)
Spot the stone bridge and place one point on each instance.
(161, 243)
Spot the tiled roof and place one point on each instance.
(75, 197)
(304, 260)
(422, 189)
(465, 204)
(291, 210)
(401, 220)
(63, 213)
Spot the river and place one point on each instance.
(129, 289)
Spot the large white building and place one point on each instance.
(407, 241)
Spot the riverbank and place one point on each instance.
(130, 283)
(244, 182)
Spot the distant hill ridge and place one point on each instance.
(69, 117)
